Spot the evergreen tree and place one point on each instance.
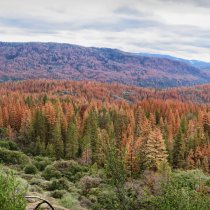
(155, 150)
(38, 127)
(205, 164)
(179, 151)
(137, 123)
(190, 163)
(57, 141)
(39, 147)
(72, 143)
(50, 150)
(115, 168)
(91, 134)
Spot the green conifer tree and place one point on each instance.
(57, 141)
(179, 150)
(72, 143)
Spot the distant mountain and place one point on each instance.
(19, 61)
(195, 63)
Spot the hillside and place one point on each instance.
(20, 61)
(88, 145)
(87, 90)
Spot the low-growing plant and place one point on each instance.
(30, 169)
(104, 197)
(11, 193)
(10, 145)
(88, 182)
(182, 191)
(42, 162)
(44, 184)
(13, 157)
(51, 172)
(59, 184)
(71, 169)
(69, 201)
(35, 188)
(58, 193)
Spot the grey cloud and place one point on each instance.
(37, 25)
(129, 11)
(200, 3)
(123, 24)
(147, 23)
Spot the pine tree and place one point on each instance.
(115, 168)
(206, 125)
(91, 135)
(39, 147)
(57, 141)
(190, 163)
(155, 150)
(179, 151)
(50, 150)
(72, 143)
(137, 123)
(38, 127)
(86, 149)
(25, 128)
(205, 164)
(132, 148)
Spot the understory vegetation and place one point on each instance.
(86, 186)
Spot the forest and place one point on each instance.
(133, 139)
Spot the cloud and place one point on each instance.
(200, 3)
(179, 28)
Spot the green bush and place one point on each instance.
(11, 193)
(35, 188)
(181, 192)
(69, 201)
(13, 157)
(88, 182)
(188, 179)
(106, 198)
(181, 199)
(60, 184)
(45, 185)
(10, 145)
(58, 193)
(71, 169)
(51, 172)
(30, 169)
(42, 162)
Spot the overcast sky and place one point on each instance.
(176, 27)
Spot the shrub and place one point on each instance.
(11, 194)
(13, 157)
(106, 198)
(41, 183)
(10, 145)
(58, 193)
(51, 172)
(41, 165)
(188, 179)
(183, 199)
(30, 169)
(179, 192)
(35, 188)
(60, 184)
(88, 182)
(69, 201)
(71, 169)
(42, 162)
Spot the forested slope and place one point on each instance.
(19, 61)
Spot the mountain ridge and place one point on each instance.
(35, 60)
